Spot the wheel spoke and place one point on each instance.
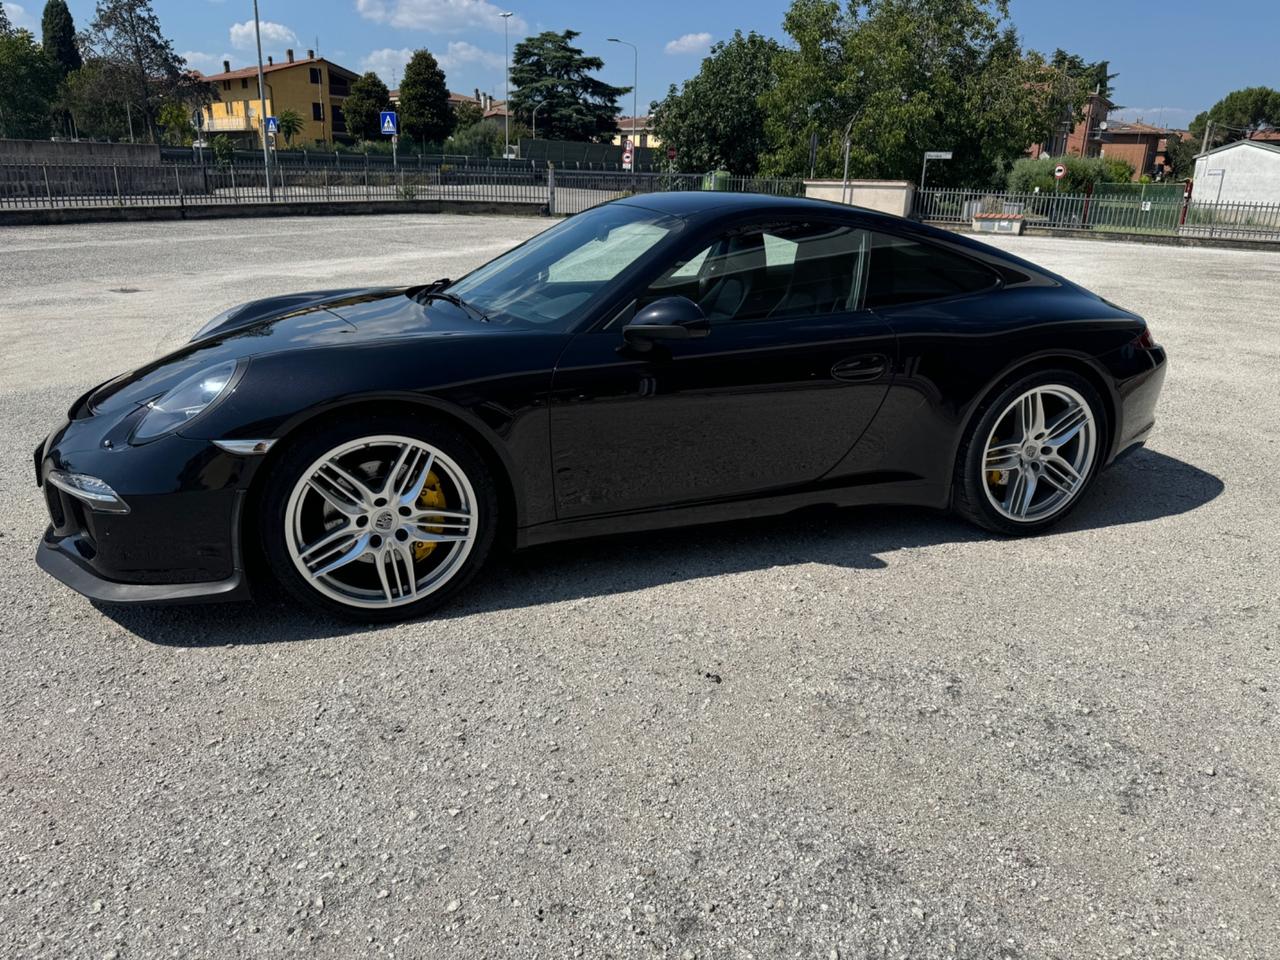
(1021, 491)
(1031, 415)
(417, 469)
(357, 547)
(1002, 456)
(1067, 426)
(1061, 474)
(343, 491)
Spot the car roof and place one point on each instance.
(692, 203)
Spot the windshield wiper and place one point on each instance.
(433, 292)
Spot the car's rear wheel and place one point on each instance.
(1031, 453)
(380, 518)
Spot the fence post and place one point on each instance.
(235, 189)
(280, 167)
(115, 172)
(178, 178)
(47, 191)
(366, 177)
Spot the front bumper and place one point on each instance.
(177, 542)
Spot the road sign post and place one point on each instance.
(389, 124)
(627, 155)
(931, 155)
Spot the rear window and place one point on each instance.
(906, 271)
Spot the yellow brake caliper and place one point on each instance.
(432, 496)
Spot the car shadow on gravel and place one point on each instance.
(1145, 486)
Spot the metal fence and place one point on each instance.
(36, 186)
(1158, 213)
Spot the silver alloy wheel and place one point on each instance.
(1039, 453)
(358, 529)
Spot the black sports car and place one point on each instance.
(656, 361)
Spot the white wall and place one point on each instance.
(886, 196)
(1251, 174)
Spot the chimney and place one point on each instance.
(226, 66)
(289, 54)
(270, 62)
(311, 54)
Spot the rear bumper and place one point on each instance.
(55, 558)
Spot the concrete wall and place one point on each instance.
(1251, 174)
(886, 196)
(65, 151)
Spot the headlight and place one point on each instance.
(186, 401)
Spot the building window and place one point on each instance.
(315, 75)
(244, 83)
(317, 111)
(226, 84)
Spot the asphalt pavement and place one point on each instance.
(872, 733)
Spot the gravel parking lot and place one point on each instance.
(873, 733)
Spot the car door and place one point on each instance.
(789, 377)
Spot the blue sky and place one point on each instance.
(1171, 64)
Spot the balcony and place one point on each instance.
(230, 124)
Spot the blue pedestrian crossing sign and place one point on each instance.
(273, 125)
(390, 126)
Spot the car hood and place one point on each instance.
(277, 324)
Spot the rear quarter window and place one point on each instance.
(903, 271)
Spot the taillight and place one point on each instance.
(1145, 341)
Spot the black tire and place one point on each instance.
(969, 497)
(304, 450)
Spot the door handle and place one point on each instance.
(859, 369)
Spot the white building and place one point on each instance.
(1250, 173)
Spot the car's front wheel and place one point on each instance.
(1031, 453)
(378, 518)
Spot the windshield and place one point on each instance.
(549, 281)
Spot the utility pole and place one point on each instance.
(635, 86)
(1204, 143)
(506, 70)
(262, 105)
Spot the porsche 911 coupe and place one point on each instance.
(656, 361)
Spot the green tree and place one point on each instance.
(549, 69)
(904, 76)
(465, 114)
(28, 86)
(175, 124)
(484, 138)
(6, 28)
(368, 98)
(425, 114)
(127, 33)
(291, 124)
(224, 150)
(1180, 152)
(58, 32)
(1238, 115)
(715, 121)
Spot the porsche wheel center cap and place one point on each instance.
(384, 521)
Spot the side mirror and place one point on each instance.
(671, 318)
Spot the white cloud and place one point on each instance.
(275, 36)
(207, 62)
(443, 15)
(460, 53)
(20, 19)
(388, 64)
(690, 43)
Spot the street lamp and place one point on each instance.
(262, 105)
(541, 104)
(506, 106)
(635, 86)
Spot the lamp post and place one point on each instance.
(541, 104)
(506, 69)
(635, 86)
(262, 105)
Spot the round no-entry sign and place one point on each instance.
(1059, 172)
(671, 153)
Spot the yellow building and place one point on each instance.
(644, 136)
(313, 88)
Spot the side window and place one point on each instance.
(777, 272)
(904, 271)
